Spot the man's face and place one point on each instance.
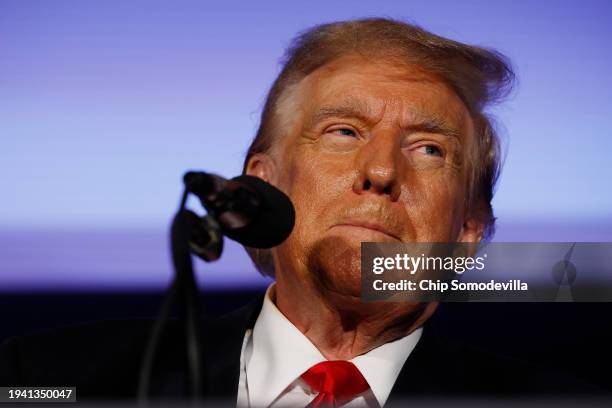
(371, 151)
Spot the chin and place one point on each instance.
(336, 263)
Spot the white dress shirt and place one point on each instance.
(275, 354)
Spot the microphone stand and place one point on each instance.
(183, 289)
(188, 297)
(245, 209)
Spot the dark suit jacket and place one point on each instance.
(102, 360)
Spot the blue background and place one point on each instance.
(103, 105)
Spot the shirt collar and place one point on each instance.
(382, 365)
(280, 354)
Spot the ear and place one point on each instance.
(472, 230)
(262, 165)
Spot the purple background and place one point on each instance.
(103, 105)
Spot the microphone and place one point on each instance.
(248, 209)
(245, 209)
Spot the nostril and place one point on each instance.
(367, 185)
(387, 189)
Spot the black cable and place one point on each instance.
(157, 331)
(188, 297)
(184, 287)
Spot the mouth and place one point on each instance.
(369, 227)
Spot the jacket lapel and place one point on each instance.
(428, 369)
(223, 339)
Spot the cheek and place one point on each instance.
(314, 183)
(434, 204)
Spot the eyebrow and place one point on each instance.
(351, 108)
(434, 124)
(427, 122)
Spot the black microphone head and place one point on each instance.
(203, 184)
(273, 221)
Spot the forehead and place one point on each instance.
(384, 90)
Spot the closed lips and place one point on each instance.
(371, 226)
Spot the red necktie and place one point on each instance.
(337, 382)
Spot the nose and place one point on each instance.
(378, 165)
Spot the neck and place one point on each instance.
(342, 326)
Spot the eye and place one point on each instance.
(344, 132)
(430, 150)
(340, 138)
